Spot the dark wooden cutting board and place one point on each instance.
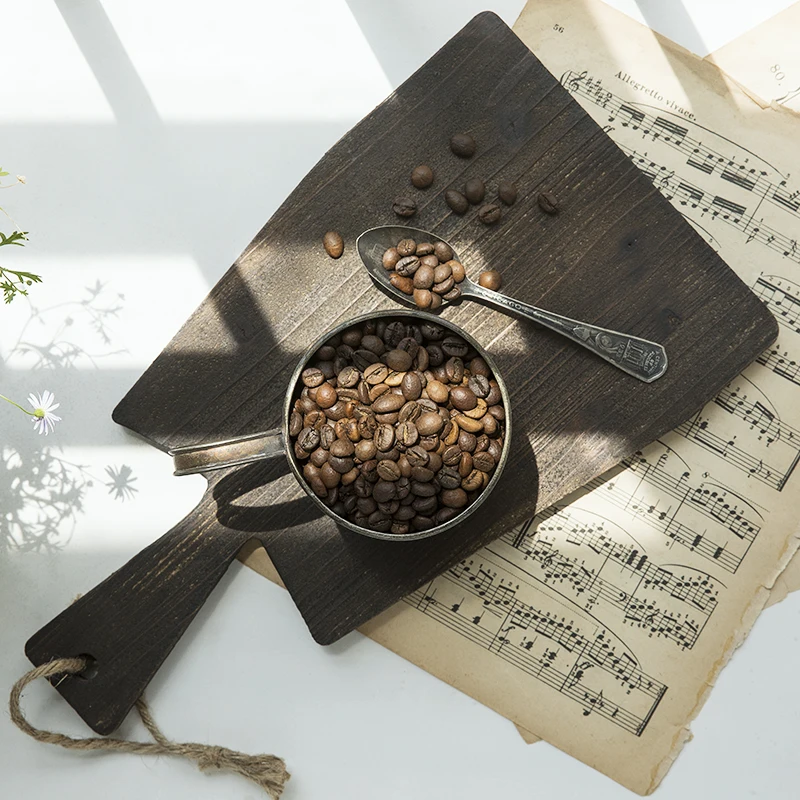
(617, 255)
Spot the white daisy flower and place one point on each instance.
(44, 420)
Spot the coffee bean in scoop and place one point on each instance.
(490, 279)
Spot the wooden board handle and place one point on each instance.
(131, 621)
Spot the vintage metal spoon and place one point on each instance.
(640, 358)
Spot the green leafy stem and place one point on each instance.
(12, 281)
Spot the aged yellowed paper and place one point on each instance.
(601, 624)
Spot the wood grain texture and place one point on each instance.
(617, 255)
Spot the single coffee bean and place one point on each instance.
(319, 457)
(318, 487)
(399, 528)
(444, 287)
(467, 441)
(479, 385)
(295, 423)
(388, 402)
(379, 523)
(378, 390)
(409, 344)
(445, 515)
(437, 392)
(326, 395)
(389, 418)
(390, 258)
(363, 358)
(411, 386)
(426, 404)
(338, 410)
(423, 249)
(404, 207)
(463, 145)
(422, 523)
(407, 266)
(448, 478)
(308, 439)
(489, 214)
(422, 176)
(495, 449)
(435, 460)
(388, 470)
(490, 425)
(465, 465)
(326, 353)
(405, 247)
(349, 477)
(429, 423)
(430, 442)
(507, 192)
(442, 273)
(429, 261)
(366, 505)
(457, 271)
(478, 410)
(548, 202)
(469, 425)
(398, 360)
(389, 508)
(494, 397)
(482, 443)
(498, 412)
(417, 456)
(479, 367)
(425, 505)
(384, 491)
(394, 379)
(312, 377)
(373, 343)
(392, 454)
(329, 476)
(491, 279)
(474, 190)
(327, 436)
(405, 512)
(422, 474)
(484, 461)
(409, 412)
(436, 301)
(423, 298)
(423, 277)
(463, 398)
(352, 337)
(365, 450)
(435, 354)
(405, 466)
(367, 425)
(348, 377)
(326, 368)
(454, 367)
(406, 434)
(333, 244)
(384, 437)
(473, 481)
(341, 465)
(342, 448)
(455, 346)
(454, 498)
(457, 202)
(443, 251)
(451, 455)
(423, 488)
(376, 373)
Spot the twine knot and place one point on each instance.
(267, 771)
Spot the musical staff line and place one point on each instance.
(589, 668)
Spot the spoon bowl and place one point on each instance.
(640, 358)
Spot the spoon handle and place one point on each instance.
(641, 358)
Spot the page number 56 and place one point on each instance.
(558, 28)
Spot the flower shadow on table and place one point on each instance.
(42, 492)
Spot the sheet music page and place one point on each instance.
(765, 61)
(601, 624)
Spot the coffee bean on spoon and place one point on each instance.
(490, 279)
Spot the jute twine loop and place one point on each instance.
(269, 772)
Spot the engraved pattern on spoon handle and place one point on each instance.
(640, 358)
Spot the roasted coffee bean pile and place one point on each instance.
(399, 426)
(428, 272)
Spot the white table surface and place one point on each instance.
(157, 137)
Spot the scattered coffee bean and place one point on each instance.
(475, 190)
(333, 244)
(404, 207)
(456, 201)
(507, 192)
(489, 214)
(422, 176)
(463, 145)
(395, 431)
(490, 279)
(548, 202)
